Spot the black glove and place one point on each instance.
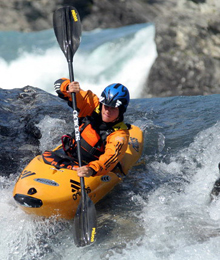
(68, 143)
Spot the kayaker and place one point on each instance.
(104, 135)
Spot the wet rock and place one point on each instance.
(20, 111)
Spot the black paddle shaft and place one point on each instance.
(67, 28)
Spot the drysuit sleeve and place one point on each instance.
(116, 145)
(86, 101)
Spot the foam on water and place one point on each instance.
(176, 219)
(171, 220)
(114, 57)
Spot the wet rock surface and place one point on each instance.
(20, 111)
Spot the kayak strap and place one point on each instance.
(59, 160)
(118, 166)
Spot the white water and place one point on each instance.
(176, 221)
(122, 55)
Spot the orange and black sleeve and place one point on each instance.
(86, 101)
(116, 146)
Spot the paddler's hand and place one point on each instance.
(73, 87)
(83, 171)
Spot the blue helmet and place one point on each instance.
(115, 95)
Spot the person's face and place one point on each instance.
(109, 114)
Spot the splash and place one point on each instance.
(122, 55)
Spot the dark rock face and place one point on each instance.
(20, 111)
(187, 35)
(29, 15)
(188, 53)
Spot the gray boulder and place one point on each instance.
(20, 112)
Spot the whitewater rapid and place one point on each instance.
(122, 55)
(162, 210)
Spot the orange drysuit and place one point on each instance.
(115, 143)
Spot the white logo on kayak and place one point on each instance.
(46, 181)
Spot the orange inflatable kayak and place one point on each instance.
(45, 190)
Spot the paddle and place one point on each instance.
(67, 28)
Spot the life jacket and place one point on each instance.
(93, 137)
